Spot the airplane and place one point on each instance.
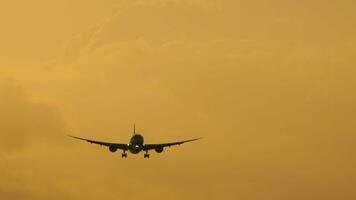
(135, 146)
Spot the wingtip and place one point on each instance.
(196, 139)
(72, 136)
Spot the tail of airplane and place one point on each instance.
(134, 129)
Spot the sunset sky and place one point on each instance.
(269, 85)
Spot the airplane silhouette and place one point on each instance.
(136, 145)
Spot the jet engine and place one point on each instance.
(159, 149)
(112, 148)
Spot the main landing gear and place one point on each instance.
(146, 155)
(124, 155)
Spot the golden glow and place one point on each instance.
(270, 85)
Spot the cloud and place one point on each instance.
(12, 194)
(275, 109)
(26, 129)
(145, 17)
(23, 122)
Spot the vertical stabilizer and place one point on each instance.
(134, 131)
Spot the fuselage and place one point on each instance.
(136, 143)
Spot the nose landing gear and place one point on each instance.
(124, 155)
(146, 155)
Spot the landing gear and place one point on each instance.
(146, 155)
(124, 155)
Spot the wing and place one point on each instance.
(153, 146)
(108, 144)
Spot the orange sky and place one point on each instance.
(268, 84)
